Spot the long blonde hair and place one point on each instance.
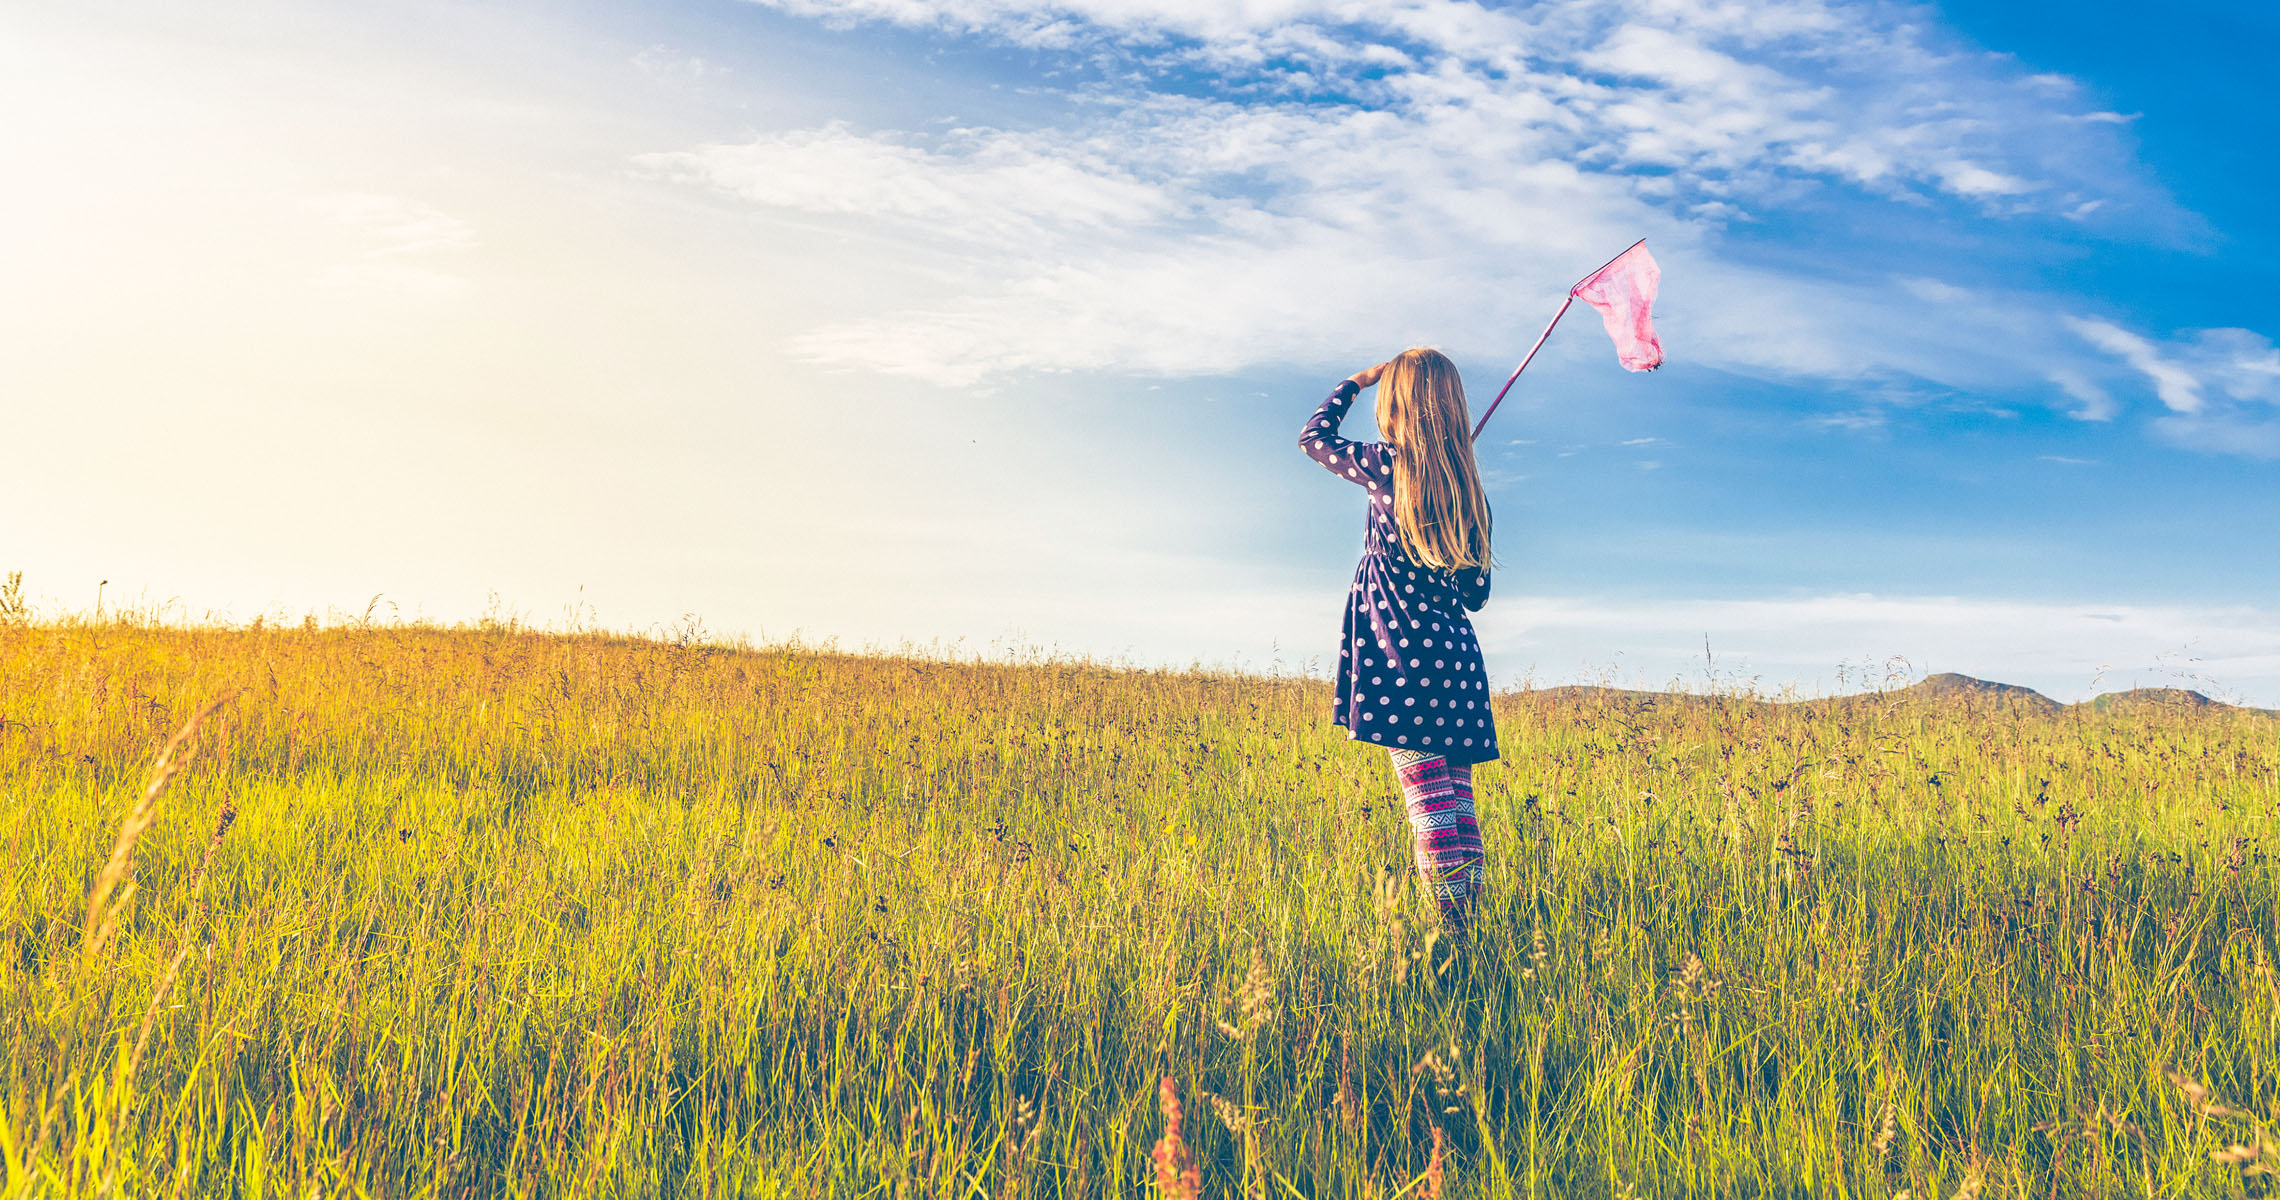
(1438, 503)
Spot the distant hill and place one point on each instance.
(1947, 686)
(2164, 697)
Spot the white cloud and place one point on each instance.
(1003, 190)
(1871, 92)
(2093, 403)
(1970, 179)
(393, 235)
(673, 69)
(2242, 363)
(1475, 152)
(396, 226)
(1858, 421)
(2176, 386)
(2240, 366)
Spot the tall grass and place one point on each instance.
(503, 913)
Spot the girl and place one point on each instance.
(1409, 669)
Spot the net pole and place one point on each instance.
(1525, 361)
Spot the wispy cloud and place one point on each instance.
(395, 235)
(671, 68)
(1872, 93)
(2221, 386)
(1252, 181)
(397, 226)
(2177, 387)
(2093, 403)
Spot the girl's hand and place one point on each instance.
(1368, 376)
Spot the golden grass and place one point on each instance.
(506, 913)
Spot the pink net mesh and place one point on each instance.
(1624, 293)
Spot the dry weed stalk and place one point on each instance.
(106, 898)
(1349, 1103)
(174, 969)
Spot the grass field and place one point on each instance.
(486, 912)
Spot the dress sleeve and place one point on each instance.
(1472, 587)
(1362, 463)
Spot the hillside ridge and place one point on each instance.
(1952, 685)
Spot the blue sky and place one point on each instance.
(991, 322)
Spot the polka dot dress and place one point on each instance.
(1409, 670)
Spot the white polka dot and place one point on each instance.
(1403, 739)
(1369, 716)
(1409, 701)
(1428, 641)
(1468, 741)
(1377, 679)
(1412, 662)
(1440, 662)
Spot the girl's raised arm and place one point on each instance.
(1358, 462)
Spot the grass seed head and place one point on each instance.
(2253, 1158)
(2196, 1094)
(1254, 1000)
(1436, 1178)
(1177, 1175)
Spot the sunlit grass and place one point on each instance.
(504, 913)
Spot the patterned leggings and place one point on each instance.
(1440, 799)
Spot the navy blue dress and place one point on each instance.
(1409, 669)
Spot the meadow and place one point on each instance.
(485, 911)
